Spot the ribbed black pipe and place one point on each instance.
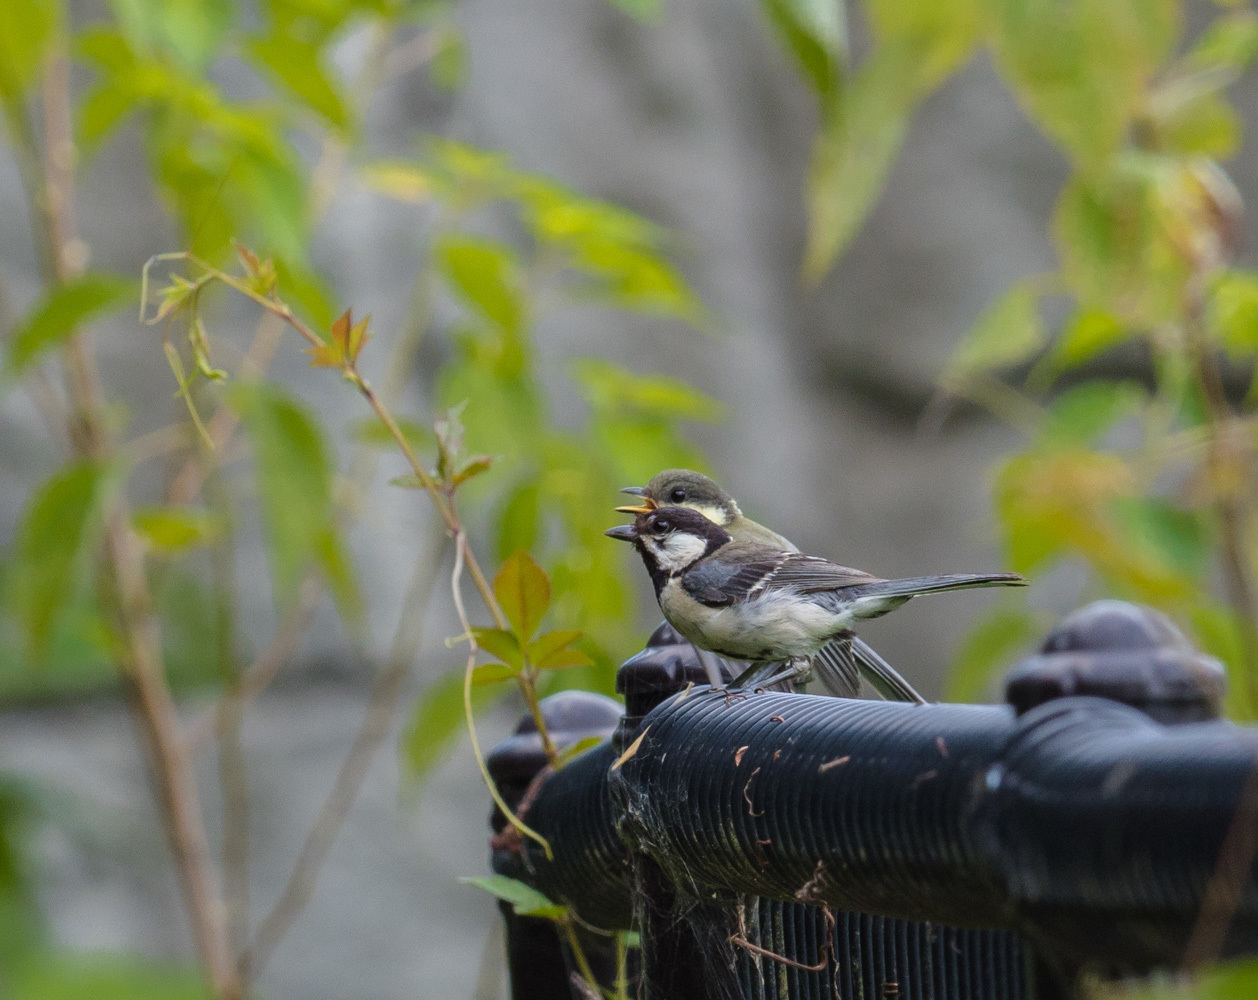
(590, 872)
(1084, 823)
(1108, 827)
(867, 806)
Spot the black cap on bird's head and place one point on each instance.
(655, 525)
(683, 488)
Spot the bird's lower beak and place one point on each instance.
(645, 507)
(622, 532)
(635, 491)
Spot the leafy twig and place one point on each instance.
(460, 554)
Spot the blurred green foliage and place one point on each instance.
(225, 164)
(1147, 480)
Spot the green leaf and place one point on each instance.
(990, 646)
(471, 468)
(1080, 67)
(552, 642)
(398, 180)
(570, 753)
(1231, 42)
(518, 523)
(1084, 412)
(436, 723)
(1009, 331)
(189, 611)
(299, 68)
(337, 565)
(1205, 124)
(638, 279)
(1234, 980)
(944, 35)
(27, 28)
(191, 31)
(564, 659)
(813, 33)
(500, 643)
(1157, 529)
(493, 673)
(1222, 634)
(59, 313)
(614, 390)
(1114, 245)
(176, 529)
(526, 900)
(853, 153)
(294, 473)
(643, 10)
(448, 65)
(863, 129)
(523, 591)
(59, 975)
(1232, 314)
(50, 541)
(483, 274)
(1088, 333)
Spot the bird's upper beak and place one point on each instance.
(645, 507)
(622, 532)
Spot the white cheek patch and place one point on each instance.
(676, 551)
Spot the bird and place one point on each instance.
(761, 603)
(841, 664)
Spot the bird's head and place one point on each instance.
(671, 539)
(683, 488)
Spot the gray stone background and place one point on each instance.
(699, 123)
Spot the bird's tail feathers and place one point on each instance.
(841, 664)
(881, 675)
(914, 585)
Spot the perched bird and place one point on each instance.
(761, 603)
(840, 664)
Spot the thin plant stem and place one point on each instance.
(381, 705)
(578, 953)
(258, 676)
(124, 589)
(1227, 466)
(460, 555)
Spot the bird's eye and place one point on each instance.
(677, 496)
(661, 526)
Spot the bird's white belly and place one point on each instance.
(775, 626)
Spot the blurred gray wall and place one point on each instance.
(699, 123)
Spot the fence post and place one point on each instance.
(681, 937)
(538, 960)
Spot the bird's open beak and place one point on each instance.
(645, 507)
(622, 532)
(635, 491)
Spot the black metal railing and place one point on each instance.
(784, 845)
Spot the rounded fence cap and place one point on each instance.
(664, 667)
(570, 716)
(1124, 652)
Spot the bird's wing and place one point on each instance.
(740, 571)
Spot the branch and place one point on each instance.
(259, 675)
(375, 728)
(124, 591)
(1226, 464)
